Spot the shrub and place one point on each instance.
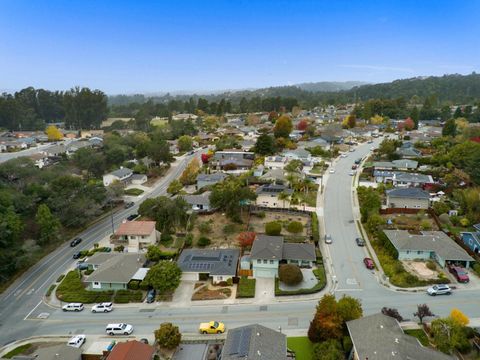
(60, 278)
(133, 284)
(229, 229)
(431, 265)
(440, 208)
(204, 227)
(261, 214)
(464, 222)
(229, 282)
(168, 336)
(50, 290)
(133, 192)
(119, 248)
(203, 241)
(476, 268)
(347, 344)
(425, 225)
(188, 240)
(71, 290)
(273, 228)
(315, 232)
(290, 274)
(166, 237)
(143, 286)
(295, 227)
(88, 271)
(126, 296)
(444, 219)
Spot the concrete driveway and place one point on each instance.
(264, 290)
(183, 294)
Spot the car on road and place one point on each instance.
(75, 242)
(442, 289)
(77, 341)
(369, 263)
(352, 173)
(151, 296)
(360, 241)
(352, 149)
(369, 141)
(190, 152)
(129, 204)
(332, 171)
(358, 161)
(102, 307)
(132, 217)
(459, 273)
(328, 239)
(372, 148)
(354, 167)
(212, 327)
(344, 155)
(119, 329)
(73, 307)
(77, 255)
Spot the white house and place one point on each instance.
(268, 196)
(275, 162)
(136, 235)
(122, 174)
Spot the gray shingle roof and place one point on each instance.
(380, 337)
(254, 342)
(214, 262)
(122, 172)
(436, 241)
(299, 252)
(409, 177)
(202, 199)
(215, 177)
(119, 268)
(413, 193)
(267, 247)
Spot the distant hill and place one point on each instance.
(456, 88)
(329, 86)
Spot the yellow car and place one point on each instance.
(212, 327)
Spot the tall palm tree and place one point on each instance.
(283, 196)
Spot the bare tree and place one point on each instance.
(423, 311)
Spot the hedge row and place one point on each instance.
(126, 296)
(315, 230)
(71, 289)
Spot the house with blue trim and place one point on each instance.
(472, 239)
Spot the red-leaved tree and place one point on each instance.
(246, 238)
(302, 125)
(206, 158)
(409, 124)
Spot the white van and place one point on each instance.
(119, 329)
(73, 307)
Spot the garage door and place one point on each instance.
(190, 276)
(264, 273)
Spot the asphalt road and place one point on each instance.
(21, 308)
(26, 293)
(27, 152)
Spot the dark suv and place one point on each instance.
(75, 242)
(360, 242)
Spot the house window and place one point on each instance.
(408, 251)
(419, 252)
(265, 261)
(96, 283)
(259, 261)
(271, 261)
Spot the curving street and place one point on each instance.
(23, 314)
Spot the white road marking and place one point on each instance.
(30, 313)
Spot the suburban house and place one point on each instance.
(472, 239)
(429, 245)
(269, 196)
(402, 164)
(138, 179)
(247, 145)
(268, 252)
(56, 150)
(219, 264)
(409, 152)
(200, 203)
(275, 162)
(209, 179)
(275, 175)
(131, 350)
(380, 337)
(408, 198)
(136, 235)
(254, 342)
(233, 160)
(297, 154)
(117, 271)
(122, 175)
(402, 179)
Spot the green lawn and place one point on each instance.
(420, 335)
(246, 288)
(302, 346)
(133, 192)
(17, 351)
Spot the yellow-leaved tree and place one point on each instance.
(190, 173)
(376, 119)
(459, 317)
(53, 133)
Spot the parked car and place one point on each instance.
(102, 307)
(332, 171)
(82, 265)
(119, 329)
(459, 273)
(132, 217)
(358, 161)
(77, 341)
(369, 141)
(73, 307)
(369, 263)
(77, 255)
(151, 296)
(129, 204)
(328, 239)
(352, 149)
(344, 155)
(75, 242)
(212, 327)
(352, 173)
(360, 241)
(439, 290)
(354, 167)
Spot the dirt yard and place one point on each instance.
(222, 231)
(257, 224)
(206, 291)
(413, 222)
(419, 268)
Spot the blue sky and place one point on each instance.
(147, 46)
